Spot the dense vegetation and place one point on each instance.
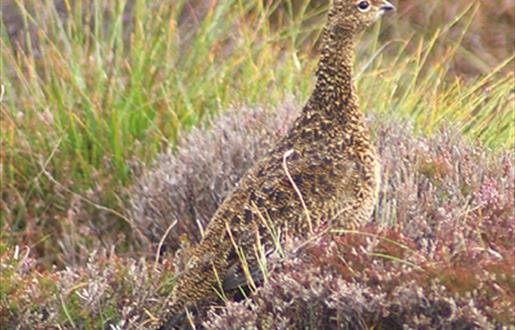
(94, 92)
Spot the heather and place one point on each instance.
(188, 184)
(437, 253)
(123, 121)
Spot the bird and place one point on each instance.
(324, 170)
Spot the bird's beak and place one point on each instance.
(387, 6)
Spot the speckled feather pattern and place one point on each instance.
(328, 155)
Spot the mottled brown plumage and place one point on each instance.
(328, 154)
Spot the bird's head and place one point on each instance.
(355, 16)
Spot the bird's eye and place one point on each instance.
(363, 5)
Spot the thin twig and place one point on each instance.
(243, 261)
(2, 92)
(285, 166)
(189, 317)
(276, 235)
(156, 260)
(67, 313)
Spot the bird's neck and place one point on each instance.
(333, 95)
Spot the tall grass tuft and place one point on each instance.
(104, 85)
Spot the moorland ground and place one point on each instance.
(93, 91)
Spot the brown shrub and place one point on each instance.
(189, 184)
(437, 253)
